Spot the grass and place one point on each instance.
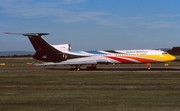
(87, 91)
(24, 88)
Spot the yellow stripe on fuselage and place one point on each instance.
(159, 58)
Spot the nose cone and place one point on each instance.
(171, 57)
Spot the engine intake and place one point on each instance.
(62, 47)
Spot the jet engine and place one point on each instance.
(62, 47)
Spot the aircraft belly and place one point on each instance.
(82, 61)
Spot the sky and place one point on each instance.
(91, 24)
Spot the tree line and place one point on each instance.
(28, 55)
(174, 51)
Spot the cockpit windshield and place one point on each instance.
(164, 53)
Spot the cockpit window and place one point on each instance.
(164, 53)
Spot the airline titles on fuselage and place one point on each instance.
(142, 52)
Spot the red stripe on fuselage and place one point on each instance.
(122, 60)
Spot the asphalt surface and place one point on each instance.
(83, 68)
(155, 68)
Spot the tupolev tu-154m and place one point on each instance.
(61, 54)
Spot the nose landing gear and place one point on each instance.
(148, 65)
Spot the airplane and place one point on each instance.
(61, 54)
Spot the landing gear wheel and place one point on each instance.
(78, 68)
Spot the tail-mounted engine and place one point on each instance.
(63, 47)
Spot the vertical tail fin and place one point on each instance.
(39, 43)
(44, 50)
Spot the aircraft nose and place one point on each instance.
(171, 57)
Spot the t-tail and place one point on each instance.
(44, 50)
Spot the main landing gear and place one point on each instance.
(78, 67)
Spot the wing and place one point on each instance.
(79, 61)
(87, 62)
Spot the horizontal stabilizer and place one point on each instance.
(35, 34)
(28, 34)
